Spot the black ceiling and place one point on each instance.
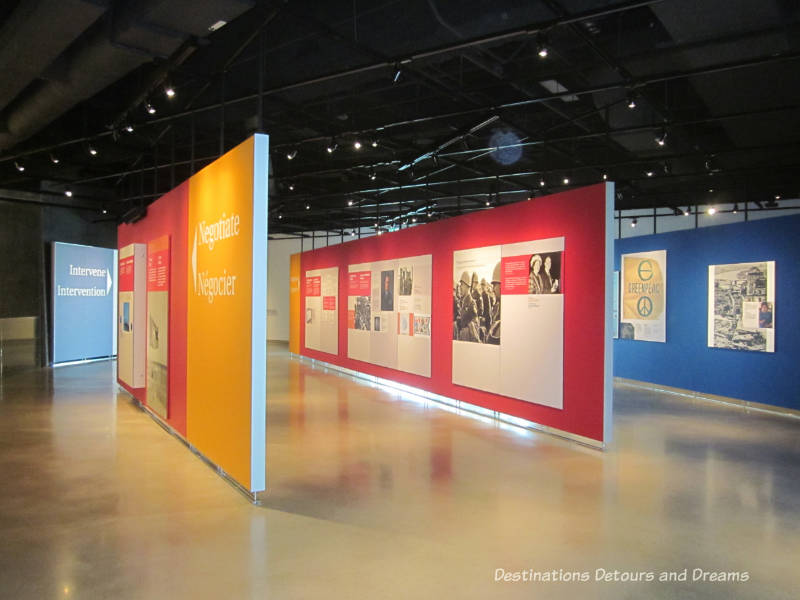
(461, 109)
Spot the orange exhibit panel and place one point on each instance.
(226, 312)
(294, 303)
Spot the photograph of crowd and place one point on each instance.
(406, 281)
(476, 308)
(545, 273)
(363, 313)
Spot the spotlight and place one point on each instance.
(19, 166)
(353, 233)
(92, 150)
(129, 128)
(373, 176)
(105, 211)
(661, 138)
(331, 147)
(686, 212)
(291, 187)
(649, 173)
(68, 193)
(169, 91)
(711, 210)
(634, 222)
(151, 110)
(541, 183)
(54, 159)
(357, 145)
(565, 181)
(413, 219)
(280, 216)
(349, 203)
(488, 203)
(631, 101)
(605, 176)
(308, 207)
(777, 196)
(380, 231)
(290, 155)
(374, 143)
(541, 46)
(735, 208)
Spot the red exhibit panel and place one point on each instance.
(168, 216)
(578, 219)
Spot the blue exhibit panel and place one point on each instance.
(685, 360)
(84, 298)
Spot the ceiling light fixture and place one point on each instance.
(291, 187)
(129, 128)
(711, 210)
(280, 216)
(661, 138)
(151, 110)
(634, 222)
(687, 212)
(54, 159)
(357, 145)
(332, 147)
(92, 150)
(349, 203)
(68, 193)
(19, 166)
(169, 91)
(631, 101)
(291, 154)
(308, 207)
(605, 176)
(105, 211)
(373, 176)
(541, 183)
(735, 208)
(413, 219)
(649, 173)
(374, 143)
(565, 181)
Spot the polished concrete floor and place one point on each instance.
(375, 495)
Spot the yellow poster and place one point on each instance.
(644, 289)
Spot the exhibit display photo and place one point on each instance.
(644, 296)
(322, 299)
(741, 306)
(520, 285)
(389, 312)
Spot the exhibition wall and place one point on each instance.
(686, 360)
(551, 363)
(206, 292)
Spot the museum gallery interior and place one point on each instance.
(399, 299)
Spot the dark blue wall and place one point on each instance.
(685, 360)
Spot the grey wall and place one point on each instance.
(26, 230)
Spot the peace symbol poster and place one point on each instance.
(644, 296)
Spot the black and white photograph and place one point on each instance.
(732, 288)
(362, 313)
(406, 283)
(544, 273)
(387, 290)
(476, 308)
(422, 325)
